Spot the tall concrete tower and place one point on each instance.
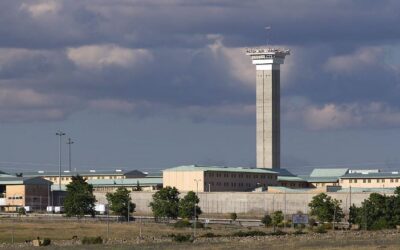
(268, 63)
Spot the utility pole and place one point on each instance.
(195, 207)
(69, 142)
(60, 134)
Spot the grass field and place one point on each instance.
(155, 236)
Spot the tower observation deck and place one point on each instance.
(268, 61)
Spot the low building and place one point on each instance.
(217, 179)
(321, 177)
(371, 180)
(289, 180)
(32, 192)
(66, 175)
(137, 184)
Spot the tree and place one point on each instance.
(325, 208)
(266, 220)
(277, 218)
(120, 202)
(165, 203)
(79, 200)
(187, 206)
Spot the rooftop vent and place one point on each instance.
(66, 171)
(395, 172)
(118, 170)
(40, 172)
(92, 171)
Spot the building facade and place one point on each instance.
(218, 179)
(371, 180)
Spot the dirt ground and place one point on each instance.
(157, 236)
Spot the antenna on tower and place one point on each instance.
(267, 28)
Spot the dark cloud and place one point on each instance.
(182, 59)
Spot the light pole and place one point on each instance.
(60, 134)
(195, 207)
(69, 142)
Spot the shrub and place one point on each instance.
(299, 231)
(198, 224)
(92, 240)
(182, 237)
(380, 224)
(233, 216)
(278, 232)
(182, 224)
(21, 211)
(46, 242)
(311, 222)
(320, 229)
(248, 233)
(266, 220)
(327, 226)
(210, 235)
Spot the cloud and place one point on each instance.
(114, 106)
(26, 105)
(43, 7)
(354, 62)
(342, 116)
(98, 56)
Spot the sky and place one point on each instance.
(154, 84)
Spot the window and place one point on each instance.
(383, 180)
(369, 180)
(397, 180)
(377, 180)
(391, 180)
(364, 181)
(350, 180)
(355, 180)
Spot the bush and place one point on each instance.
(233, 216)
(46, 242)
(278, 232)
(210, 235)
(311, 222)
(21, 211)
(327, 226)
(182, 224)
(248, 233)
(198, 224)
(320, 229)
(266, 220)
(379, 224)
(299, 231)
(92, 240)
(182, 237)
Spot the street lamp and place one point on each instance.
(69, 142)
(60, 134)
(195, 209)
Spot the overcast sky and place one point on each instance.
(153, 84)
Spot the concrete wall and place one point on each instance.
(246, 202)
(184, 180)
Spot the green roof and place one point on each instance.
(372, 175)
(24, 181)
(126, 182)
(329, 172)
(290, 178)
(220, 169)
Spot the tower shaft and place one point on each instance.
(268, 117)
(268, 63)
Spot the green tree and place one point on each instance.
(187, 206)
(120, 201)
(325, 208)
(277, 218)
(79, 200)
(165, 203)
(266, 220)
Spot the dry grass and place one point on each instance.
(58, 230)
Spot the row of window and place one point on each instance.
(15, 198)
(227, 184)
(232, 175)
(89, 178)
(370, 180)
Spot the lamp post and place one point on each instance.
(69, 142)
(60, 134)
(195, 207)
